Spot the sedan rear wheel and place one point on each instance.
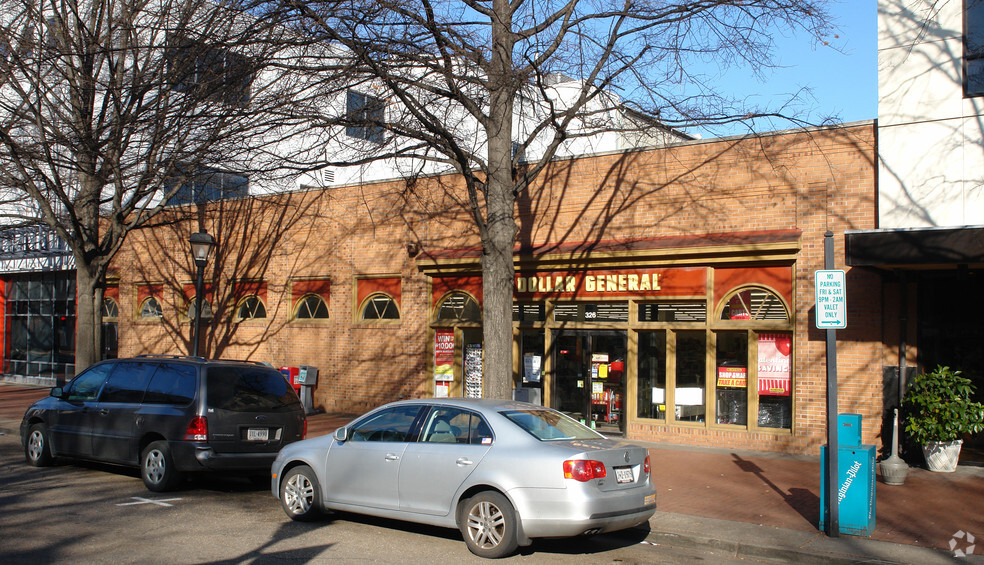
(300, 495)
(489, 525)
(36, 449)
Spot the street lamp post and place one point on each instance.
(201, 246)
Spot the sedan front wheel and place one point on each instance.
(488, 525)
(300, 495)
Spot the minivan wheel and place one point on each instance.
(300, 495)
(157, 467)
(488, 525)
(36, 449)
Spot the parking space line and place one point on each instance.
(141, 500)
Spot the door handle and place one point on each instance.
(104, 411)
(463, 461)
(392, 457)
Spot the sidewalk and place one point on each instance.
(761, 505)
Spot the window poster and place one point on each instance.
(531, 367)
(736, 377)
(442, 390)
(774, 363)
(444, 354)
(473, 370)
(738, 306)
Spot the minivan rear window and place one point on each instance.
(249, 389)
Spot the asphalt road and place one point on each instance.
(90, 513)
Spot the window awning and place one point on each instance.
(915, 248)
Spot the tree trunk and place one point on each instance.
(497, 295)
(500, 235)
(88, 317)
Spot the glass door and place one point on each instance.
(589, 378)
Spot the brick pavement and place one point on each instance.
(751, 487)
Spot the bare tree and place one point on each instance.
(111, 110)
(494, 89)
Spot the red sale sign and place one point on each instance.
(774, 364)
(444, 354)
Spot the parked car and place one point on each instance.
(168, 416)
(501, 472)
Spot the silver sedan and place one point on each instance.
(501, 472)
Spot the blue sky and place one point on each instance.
(842, 78)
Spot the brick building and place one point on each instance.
(664, 294)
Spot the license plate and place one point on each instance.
(257, 434)
(623, 474)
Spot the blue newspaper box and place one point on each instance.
(855, 481)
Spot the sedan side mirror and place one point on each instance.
(57, 392)
(341, 434)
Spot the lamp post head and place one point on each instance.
(201, 247)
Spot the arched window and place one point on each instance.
(206, 309)
(459, 307)
(311, 307)
(151, 308)
(251, 308)
(380, 306)
(110, 309)
(754, 304)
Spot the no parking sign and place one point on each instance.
(831, 295)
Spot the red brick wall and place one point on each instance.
(812, 181)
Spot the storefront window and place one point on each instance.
(110, 328)
(695, 311)
(775, 401)
(652, 375)
(732, 378)
(40, 319)
(591, 312)
(754, 366)
(528, 312)
(691, 368)
(532, 351)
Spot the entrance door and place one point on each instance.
(589, 378)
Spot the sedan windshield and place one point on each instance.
(550, 425)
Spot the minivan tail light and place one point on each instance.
(197, 429)
(584, 470)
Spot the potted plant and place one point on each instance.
(939, 413)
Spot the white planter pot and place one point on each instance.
(942, 456)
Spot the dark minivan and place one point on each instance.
(168, 416)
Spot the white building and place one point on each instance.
(931, 113)
(930, 243)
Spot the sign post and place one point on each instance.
(831, 315)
